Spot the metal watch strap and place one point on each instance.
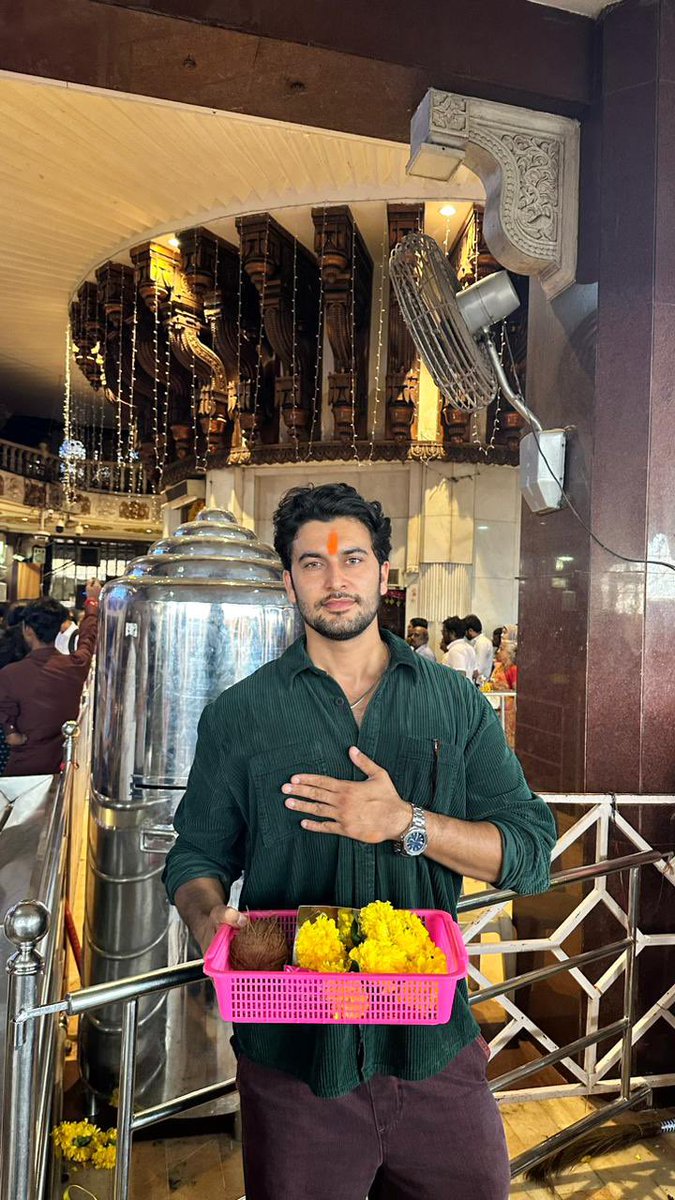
(417, 821)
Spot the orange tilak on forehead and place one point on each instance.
(332, 542)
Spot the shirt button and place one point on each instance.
(339, 701)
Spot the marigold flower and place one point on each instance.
(320, 948)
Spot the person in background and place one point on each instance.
(418, 638)
(43, 690)
(459, 653)
(66, 639)
(505, 679)
(12, 645)
(481, 644)
(497, 637)
(12, 649)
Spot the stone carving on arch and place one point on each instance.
(528, 163)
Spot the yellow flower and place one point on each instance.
(75, 1140)
(319, 947)
(105, 1154)
(396, 943)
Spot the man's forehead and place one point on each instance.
(337, 534)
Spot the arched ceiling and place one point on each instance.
(86, 174)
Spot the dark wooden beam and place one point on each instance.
(364, 74)
(495, 44)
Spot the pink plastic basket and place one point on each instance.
(295, 997)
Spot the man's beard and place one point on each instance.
(340, 628)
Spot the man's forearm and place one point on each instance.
(472, 848)
(195, 902)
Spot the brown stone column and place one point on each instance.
(596, 630)
(597, 704)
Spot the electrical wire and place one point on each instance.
(645, 562)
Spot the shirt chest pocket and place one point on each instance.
(268, 772)
(429, 774)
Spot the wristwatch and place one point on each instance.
(413, 841)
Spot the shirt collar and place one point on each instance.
(296, 659)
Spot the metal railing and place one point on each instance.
(27, 923)
(88, 474)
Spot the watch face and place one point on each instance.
(415, 841)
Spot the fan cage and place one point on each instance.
(423, 284)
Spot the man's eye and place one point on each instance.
(312, 564)
(355, 560)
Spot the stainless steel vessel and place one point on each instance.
(202, 610)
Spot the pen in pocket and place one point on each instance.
(434, 769)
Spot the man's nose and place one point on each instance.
(335, 574)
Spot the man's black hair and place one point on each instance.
(325, 503)
(45, 617)
(473, 622)
(419, 622)
(454, 625)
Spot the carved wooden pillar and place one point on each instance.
(403, 364)
(232, 312)
(347, 271)
(286, 277)
(155, 268)
(194, 283)
(86, 328)
(117, 298)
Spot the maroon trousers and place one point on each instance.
(438, 1139)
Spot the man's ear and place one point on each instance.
(384, 578)
(290, 590)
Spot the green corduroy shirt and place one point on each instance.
(445, 751)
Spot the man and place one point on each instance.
(459, 654)
(418, 638)
(481, 644)
(310, 776)
(43, 690)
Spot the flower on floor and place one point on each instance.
(105, 1154)
(83, 1142)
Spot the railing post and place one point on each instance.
(629, 983)
(125, 1110)
(25, 925)
(71, 732)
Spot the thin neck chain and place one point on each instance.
(372, 686)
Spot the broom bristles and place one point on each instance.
(605, 1140)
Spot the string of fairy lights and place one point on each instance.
(318, 362)
(380, 337)
(87, 431)
(294, 352)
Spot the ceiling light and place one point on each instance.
(173, 241)
(448, 210)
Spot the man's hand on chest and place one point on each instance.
(369, 811)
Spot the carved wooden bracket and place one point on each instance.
(528, 163)
(403, 364)
(347, 272)
(286, 277)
